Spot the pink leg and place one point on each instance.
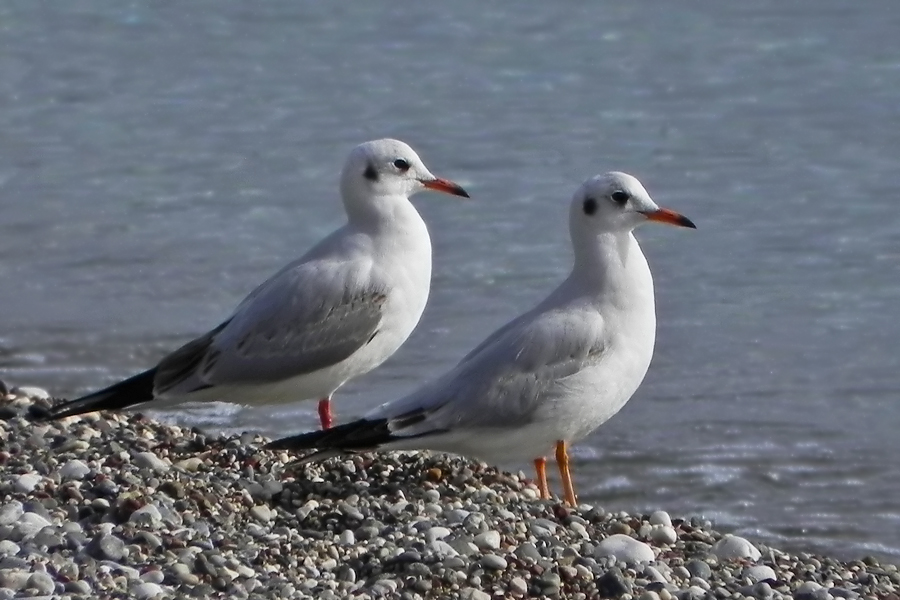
(325, 412)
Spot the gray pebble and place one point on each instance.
(107, 547)
(493, 562)
(489, 540)
(146, 590)
(698, 568)
(74, 470)
(29, 525)
(14, 579)
(148, 460)
(661, 517)
(262, 513)
(732, 547)
(11, 512)
(759, 573)
(26, 482)
(42, 583)
(471, 593)
(624, 548)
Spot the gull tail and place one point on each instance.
(357, 436)
(134, 390)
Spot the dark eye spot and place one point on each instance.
(620, 197)
(590, 206)
(402, 164)
(370, 173)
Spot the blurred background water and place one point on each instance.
(158, 160)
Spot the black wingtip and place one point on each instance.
(132, 391)
(364, 434)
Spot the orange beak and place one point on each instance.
(664, 215)
(446, 186)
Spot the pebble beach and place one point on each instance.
(113, 506)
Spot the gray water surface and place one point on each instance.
(158, 160)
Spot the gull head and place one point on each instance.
(617, 202)
(388, 168)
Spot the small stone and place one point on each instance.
(471, 593)
(148, 460)
(698, 568)
(11, 512)
(763, 590)
(442, 549)
(261, 513)
(106, 546)
(42, 583)
(9, 548)
(759, 573)
(146, 590)
(191, 465)
(489, 540)
(78, 587)
(14, 579)
(664, 534)
(436, 533)
(661, 517)
(347, 538)
(732, 547)
(74, 470)
(528, 551)
(147, 516)
(30, 524)
(26, 482)
(35, 393)
(624, 548)
(493, 562)
(517, 585)
(612, 584)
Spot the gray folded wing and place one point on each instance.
(514, 375)
(304, 319)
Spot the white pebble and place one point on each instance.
(624, 548)
(489, 540)
(27, 482)
(147, 516)
(74, 470)
(148, 460)
(733, 547)
(32, 392)
(261, 513)
(664, 534)
(146, 590)
(759, 573)
(660, 517)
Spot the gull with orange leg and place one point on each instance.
(334, 314)
(550, 376)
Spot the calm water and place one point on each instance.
(158, 160)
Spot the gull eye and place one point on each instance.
(589, 206)
(620, 197)
(402, 165)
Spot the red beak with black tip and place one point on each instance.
(446, 186)
(670, 217)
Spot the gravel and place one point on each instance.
(125, 506)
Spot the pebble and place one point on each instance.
(148, 460)
(624, 548)
(732, 547)
(493, 562)
(74, 470)
(660, 517)
(130, 507)
(759, 573)
(27, 482)
(489, 540)
(146, 591)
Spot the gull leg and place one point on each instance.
(540, 467)
(325, 412)
(562, 460)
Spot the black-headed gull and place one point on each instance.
(336, 313)
(552, 375)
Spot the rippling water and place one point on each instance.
(158, 160)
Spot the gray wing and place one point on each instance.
(307, 317)
(512, 376)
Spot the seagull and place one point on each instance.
(336, 313)
(550, 376)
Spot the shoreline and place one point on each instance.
(123, 505)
